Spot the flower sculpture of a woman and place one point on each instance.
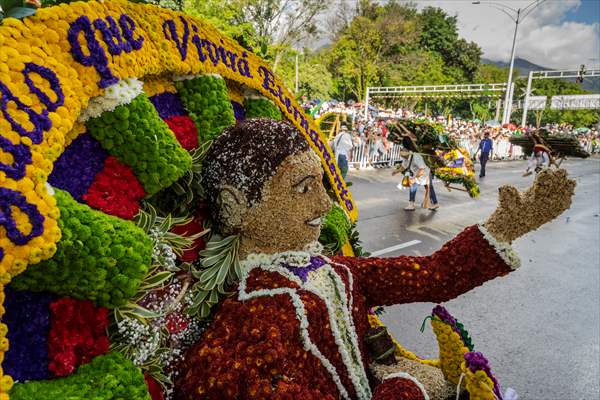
(296, 326)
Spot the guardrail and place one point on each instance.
(374, 153)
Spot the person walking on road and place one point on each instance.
(540, 159)
(342, 146)
(485, 149)
(416, 173)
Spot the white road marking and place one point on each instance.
(394, 248)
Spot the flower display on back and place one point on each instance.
(296, 326)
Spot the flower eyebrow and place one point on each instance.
(304, 179)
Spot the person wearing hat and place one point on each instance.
(342, 146)
(485, 148)
(540, 159)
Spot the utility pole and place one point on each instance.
(526, 101)
(517, 15)
(297, 85)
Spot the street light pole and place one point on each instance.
(517, 16)
(508, 98)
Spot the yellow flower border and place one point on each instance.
(43, 39)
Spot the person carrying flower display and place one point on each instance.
(296, 327)
(417, 174)
(540, 159)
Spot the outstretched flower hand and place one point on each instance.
(519, 213)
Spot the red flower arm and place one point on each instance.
(462, 264)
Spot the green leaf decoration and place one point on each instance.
(219, 267)
(20, 12)
(188, 191)
(208, 105)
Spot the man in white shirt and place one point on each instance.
(342, 146)
(418, 174)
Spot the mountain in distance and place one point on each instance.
(521, 64)
(524, 67)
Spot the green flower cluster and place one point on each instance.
(335, 230)
(99, 257)
(468, 182)
(139, 138)
(207, 102)
(256, 108)
(107, 377)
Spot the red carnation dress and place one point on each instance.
(279, 339)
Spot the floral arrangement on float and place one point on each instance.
(156, 243)
(450, 163)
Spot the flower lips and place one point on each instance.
(315, 222)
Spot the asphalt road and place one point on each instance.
(540, 325)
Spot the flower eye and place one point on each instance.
(303, 188)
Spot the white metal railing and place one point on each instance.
(483, 87)
(375, 154)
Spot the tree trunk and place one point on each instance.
(277, 60)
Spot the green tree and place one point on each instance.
(354, 58)
(224, 15)
(268, 27)
(439, 33)
(315, 80)
(419, 67)
(367, 51)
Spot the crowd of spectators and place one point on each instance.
(371, 144)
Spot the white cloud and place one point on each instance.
(544, 37)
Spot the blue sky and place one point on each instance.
(588, 12)
(559, 34)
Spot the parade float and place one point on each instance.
(157, 241)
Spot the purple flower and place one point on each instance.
(112, 36)
(302, 272)
(52, 79)
(128, 26)
(21, 158)
(41, 122)
(171, 34)
(443, 314)
(28, 320)
(78, 165)
(96, 56)
(10, 198)
(238, 111)
(477, 362)
(168, 105)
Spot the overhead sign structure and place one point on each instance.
(575, 102)
(537, 102)
(579, 74)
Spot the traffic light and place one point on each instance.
(582, 71)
